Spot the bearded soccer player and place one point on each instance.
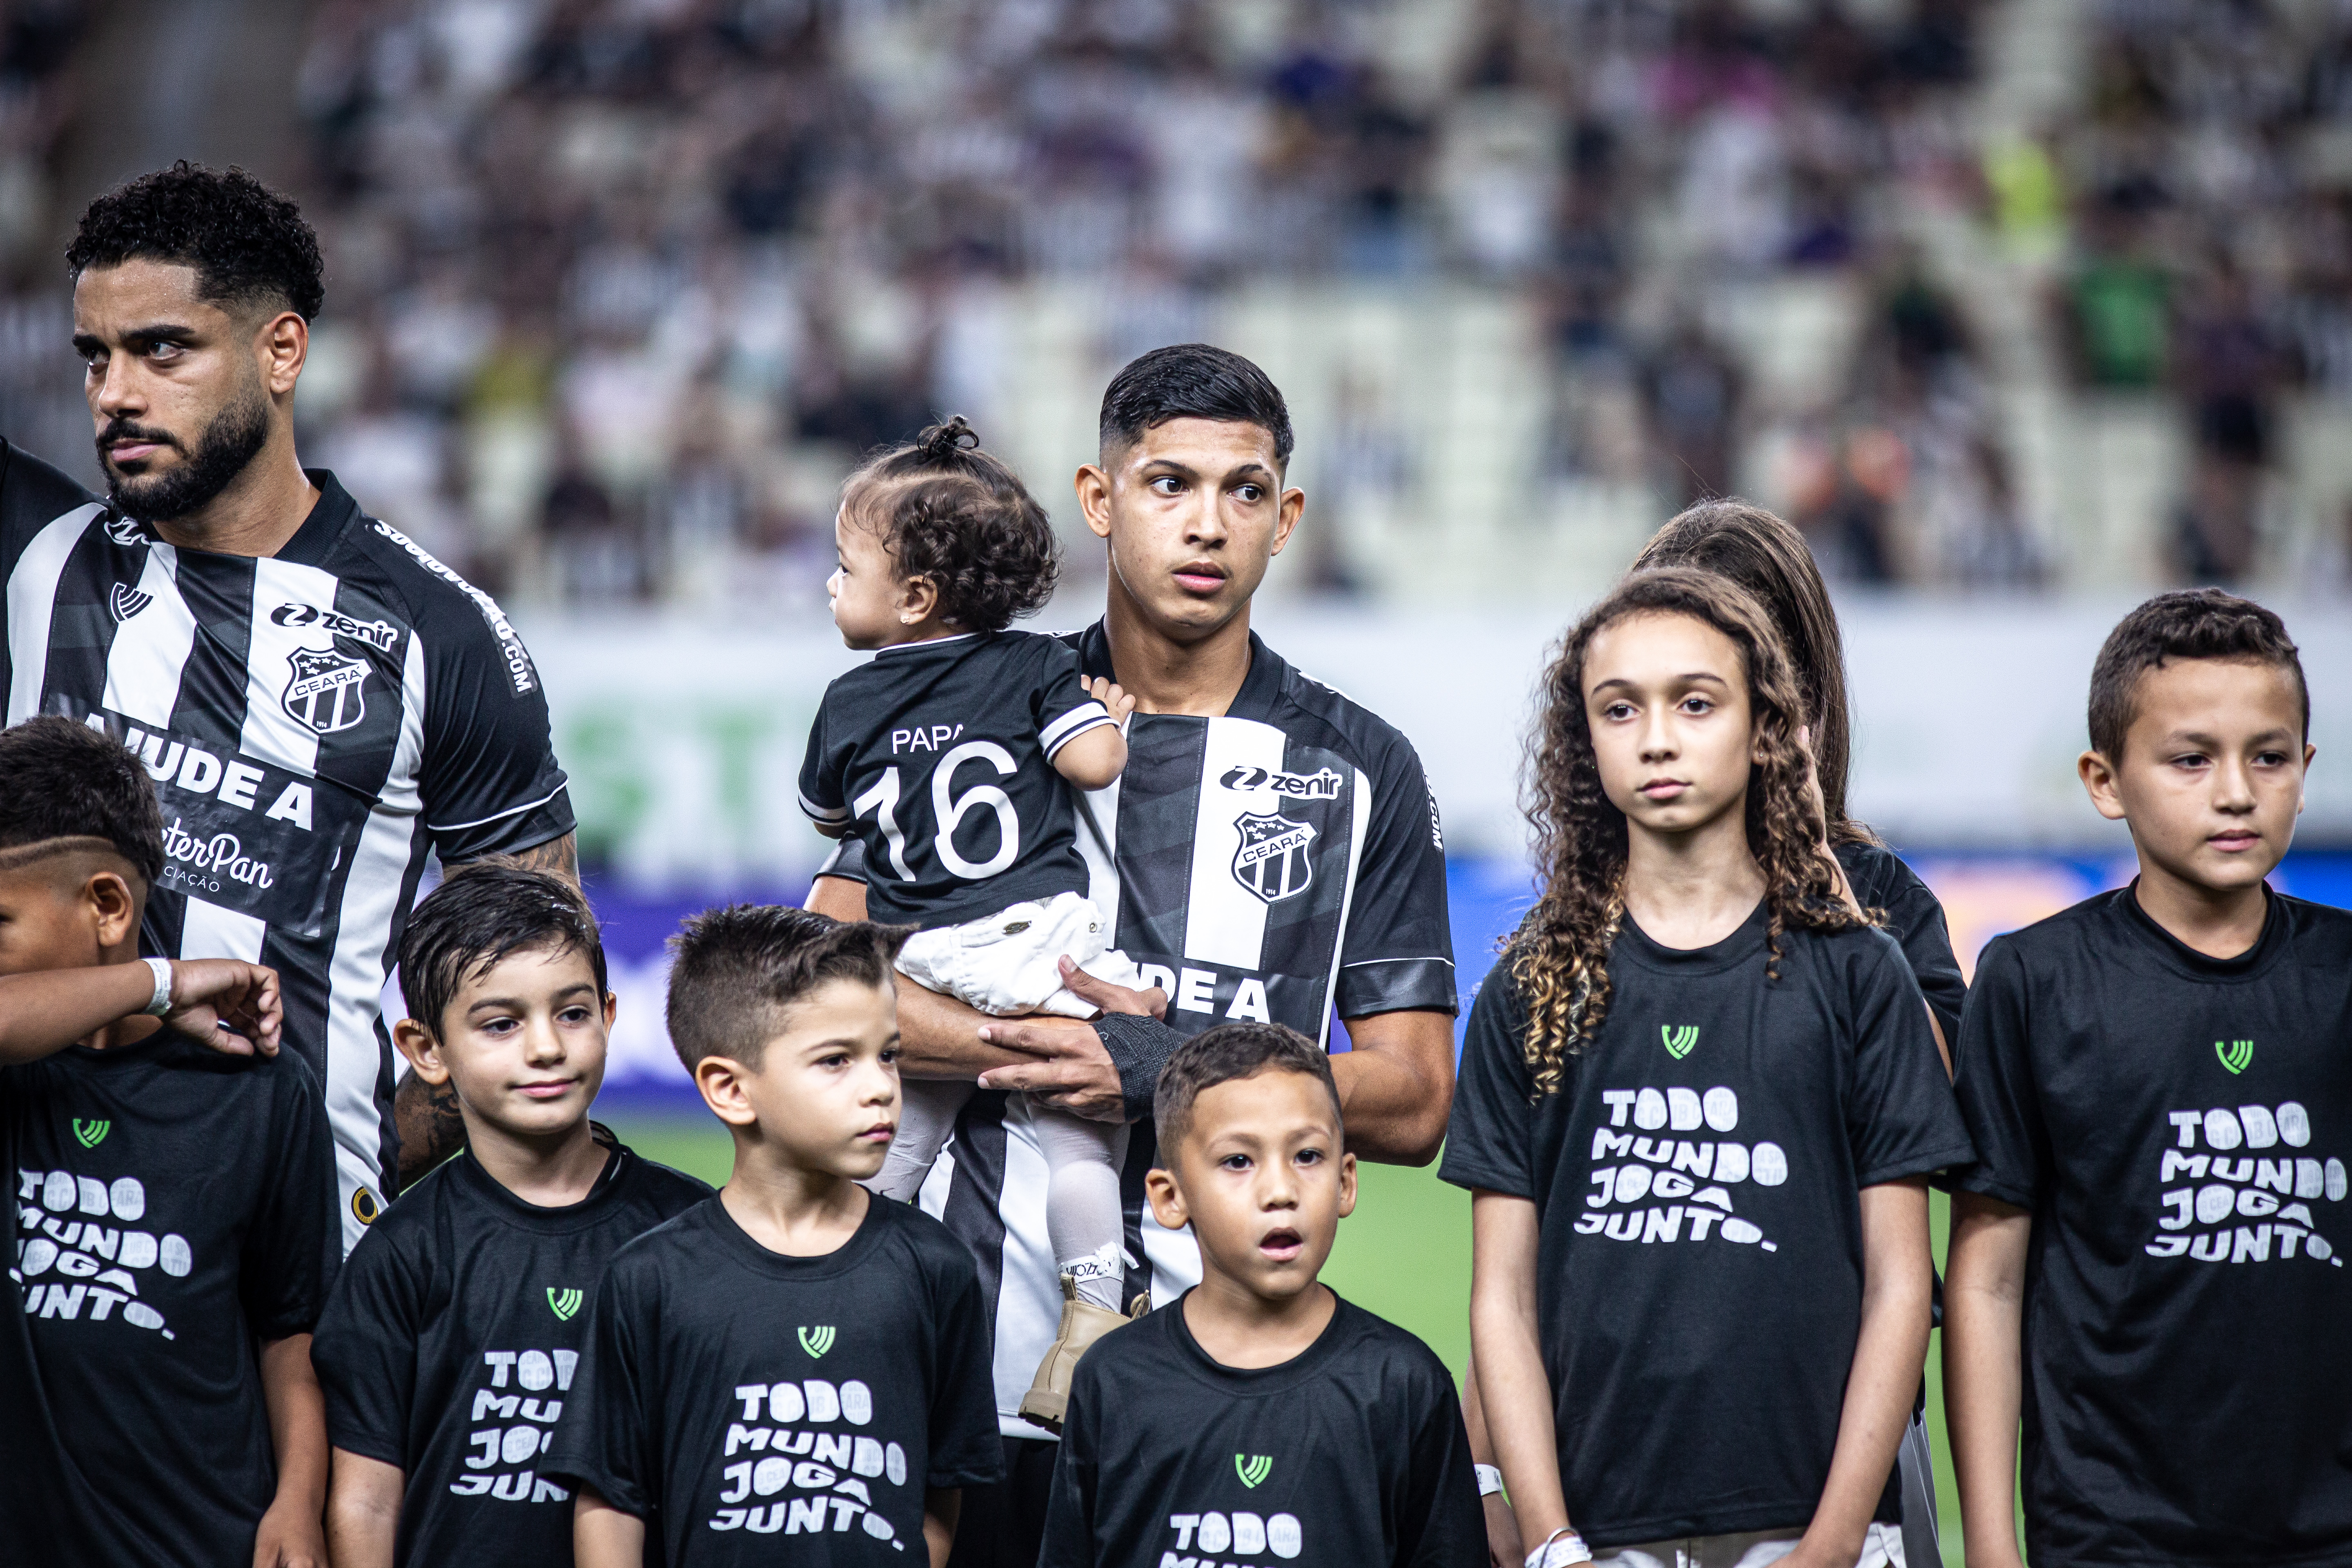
(321, 703)
(1271, 852)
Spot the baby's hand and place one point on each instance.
(1107, 693)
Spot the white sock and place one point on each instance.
(1083, 1214)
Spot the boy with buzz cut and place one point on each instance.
(793, 1371)
(174, 1225)
(1259, 1417)
(449, 1348)
(2148, 1259)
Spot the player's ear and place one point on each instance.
(1347, 1185)
(423, 1050)
(611, 1009)
(1093, 485)
(1166, 1198)
(2098, 777)
(113, 907)
(721, 1080)
(1288, 510)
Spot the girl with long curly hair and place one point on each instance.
(1698, 1104)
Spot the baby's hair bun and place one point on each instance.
(941, 442)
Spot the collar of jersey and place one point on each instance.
(557, 1220)
(1254, 1382)
(842, 1259)
(926, 643)
(2178, 955)
(1261, 688)
(1640, 947)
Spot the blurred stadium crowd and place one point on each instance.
(618, 287)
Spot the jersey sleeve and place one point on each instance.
(1490, 1134)
(966, 1449)
(1058, 698)
(1397, 950)
(293, 1248)
(32, 495)
(847, 861)
(1069, 1535)
(1439, 1520)
(365, 1350)
(489, 781)
(1998, 1101)
(608, 1446)
(1916, 918)
(823, 794)
(1900, 1117)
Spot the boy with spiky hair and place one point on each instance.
(793, 1371)
(1279, 1422)
(173, 1222)
(2148, 1259)
(448, 1348)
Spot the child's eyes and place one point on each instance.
(573, 1015)
(1310, 1156)
(1236, 1162)
(1698, 705)
(1618, 711)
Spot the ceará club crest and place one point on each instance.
(327, 692)
(1272, 861)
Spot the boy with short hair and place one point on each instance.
(174, 1213)
(1275, 1418)
(2147, 1261)
(793, 1358)
(448, 1347)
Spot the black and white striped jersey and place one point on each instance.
(1284, 862)
(316, 722)
(939, 757)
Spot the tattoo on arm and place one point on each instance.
(561, 856)
(430, 1128)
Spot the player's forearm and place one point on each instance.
(941, 1508)
(1889, 1353)
(1983, 1311)
(939, 1038)
(431, 1126)
(298, 1423)
(1514, 1390)
(363, 1499)
(44, 1013)
(604, 1537)
(1396, 1085)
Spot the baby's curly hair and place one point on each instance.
(1560, 954)
(949, 511)
(248, 244)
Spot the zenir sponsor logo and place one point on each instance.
(1254, 1469)
(1273, 862)
(126, 601)
(328, 690)
(1321, 785)
(380, 634)
(2235, 1053)
(1680, 1039)
(91, 1134)
(563, 1303)
(816, 1341)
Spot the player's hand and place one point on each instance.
(1503, 1549)
(290, 1536)
(1109, 998)
(1107, 693)
(230, 1005)
(1072, 1073)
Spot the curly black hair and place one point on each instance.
(949, 511)
(62, 780)
(250, 244)
(479, 915)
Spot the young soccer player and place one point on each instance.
(940, 756)
(2148, 1260)
(175, 1197)
(1259, 1414)
(792, 1371)
(448, 1349)
(1699, 1099)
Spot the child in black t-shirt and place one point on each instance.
(941, 755)
(2147, 1261)
(792, 1358)
(175, 1228)
(448, 1348)
(1260, 1417)
(1699, 1099)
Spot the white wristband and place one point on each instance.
(1490, 1479)
(161, 1003)
(1563, 1550)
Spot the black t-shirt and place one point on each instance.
(730, 1394)
(174, 1208)
(2179, 1128)
(1697, 1180)
(449, 1344)
(1353, 1452)
(940, 753)
(1915, 920)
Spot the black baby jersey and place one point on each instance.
(174, 1208)
(2179, 1128)
(1698, 1180)
(754, 1408)
(1914, 919)
(449, 1345)
(940, 756)
(1351, 1452)
(317, 723)
(1282, 862)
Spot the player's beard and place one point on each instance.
(223, 451)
